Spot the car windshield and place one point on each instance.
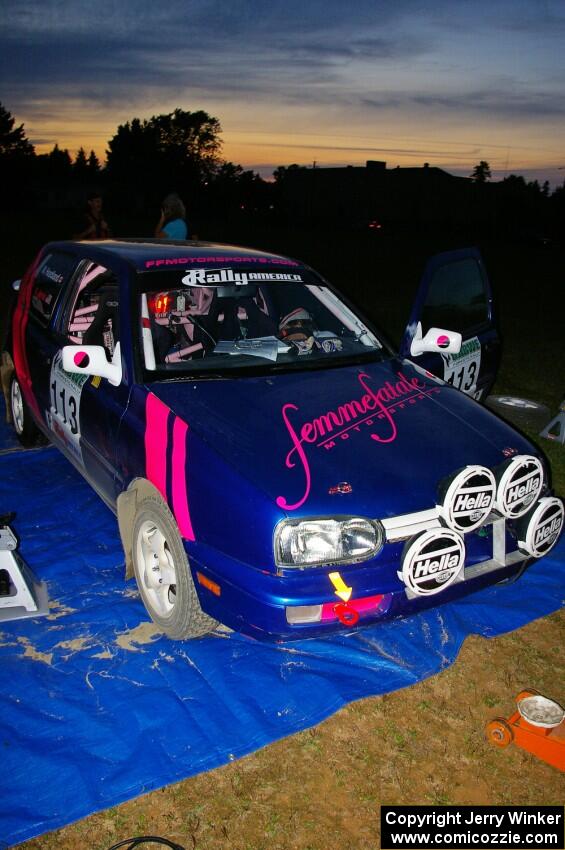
(228, 319)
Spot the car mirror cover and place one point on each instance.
(91, 360)
(436, 340)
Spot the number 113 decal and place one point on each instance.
(60, 397)
(63, 415)
(462, 370)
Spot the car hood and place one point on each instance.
(374, 440)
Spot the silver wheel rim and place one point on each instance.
(156, 568)
(17, 407)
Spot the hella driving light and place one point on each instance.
(336, 540)
(539, 530)
(520, 482)
(468, 498)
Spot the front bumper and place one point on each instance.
(305, 603)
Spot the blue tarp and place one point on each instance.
(97, 708)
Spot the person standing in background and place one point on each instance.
(94, 226)
(172, 224)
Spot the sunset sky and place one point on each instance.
(325, 81)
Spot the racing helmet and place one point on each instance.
(296, 324)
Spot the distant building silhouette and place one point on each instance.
(357, 195)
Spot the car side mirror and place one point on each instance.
(91, 360)
(437, 340)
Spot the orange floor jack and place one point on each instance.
(537, 726)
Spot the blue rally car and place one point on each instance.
(272, 463)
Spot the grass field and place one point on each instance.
(323, 787)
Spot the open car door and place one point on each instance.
(455, 294)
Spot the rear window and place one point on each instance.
(52, 274)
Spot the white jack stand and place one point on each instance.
(20, 594)
(556, 428)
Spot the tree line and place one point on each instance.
(182, 151)
(145, 159)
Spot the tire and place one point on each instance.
(163, 575)
(26, 430)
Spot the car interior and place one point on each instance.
(189, 323)
(94, 313)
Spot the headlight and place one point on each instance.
(335, 540)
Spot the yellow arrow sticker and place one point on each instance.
(341, 589)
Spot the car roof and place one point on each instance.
(143, 254)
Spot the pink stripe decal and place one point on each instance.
(156, 415)
(180, 495)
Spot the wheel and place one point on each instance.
(499, 732)
(26, 430)
(163, 574)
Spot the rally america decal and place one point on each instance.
(462, 370)
(227, 277)
(63, 415)
(372, 412)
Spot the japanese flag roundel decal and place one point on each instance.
(519, 485)
(432, 561)
(468, 498)
(539, 530)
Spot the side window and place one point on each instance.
(54, 271)
(93, 312)
(457, 297)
